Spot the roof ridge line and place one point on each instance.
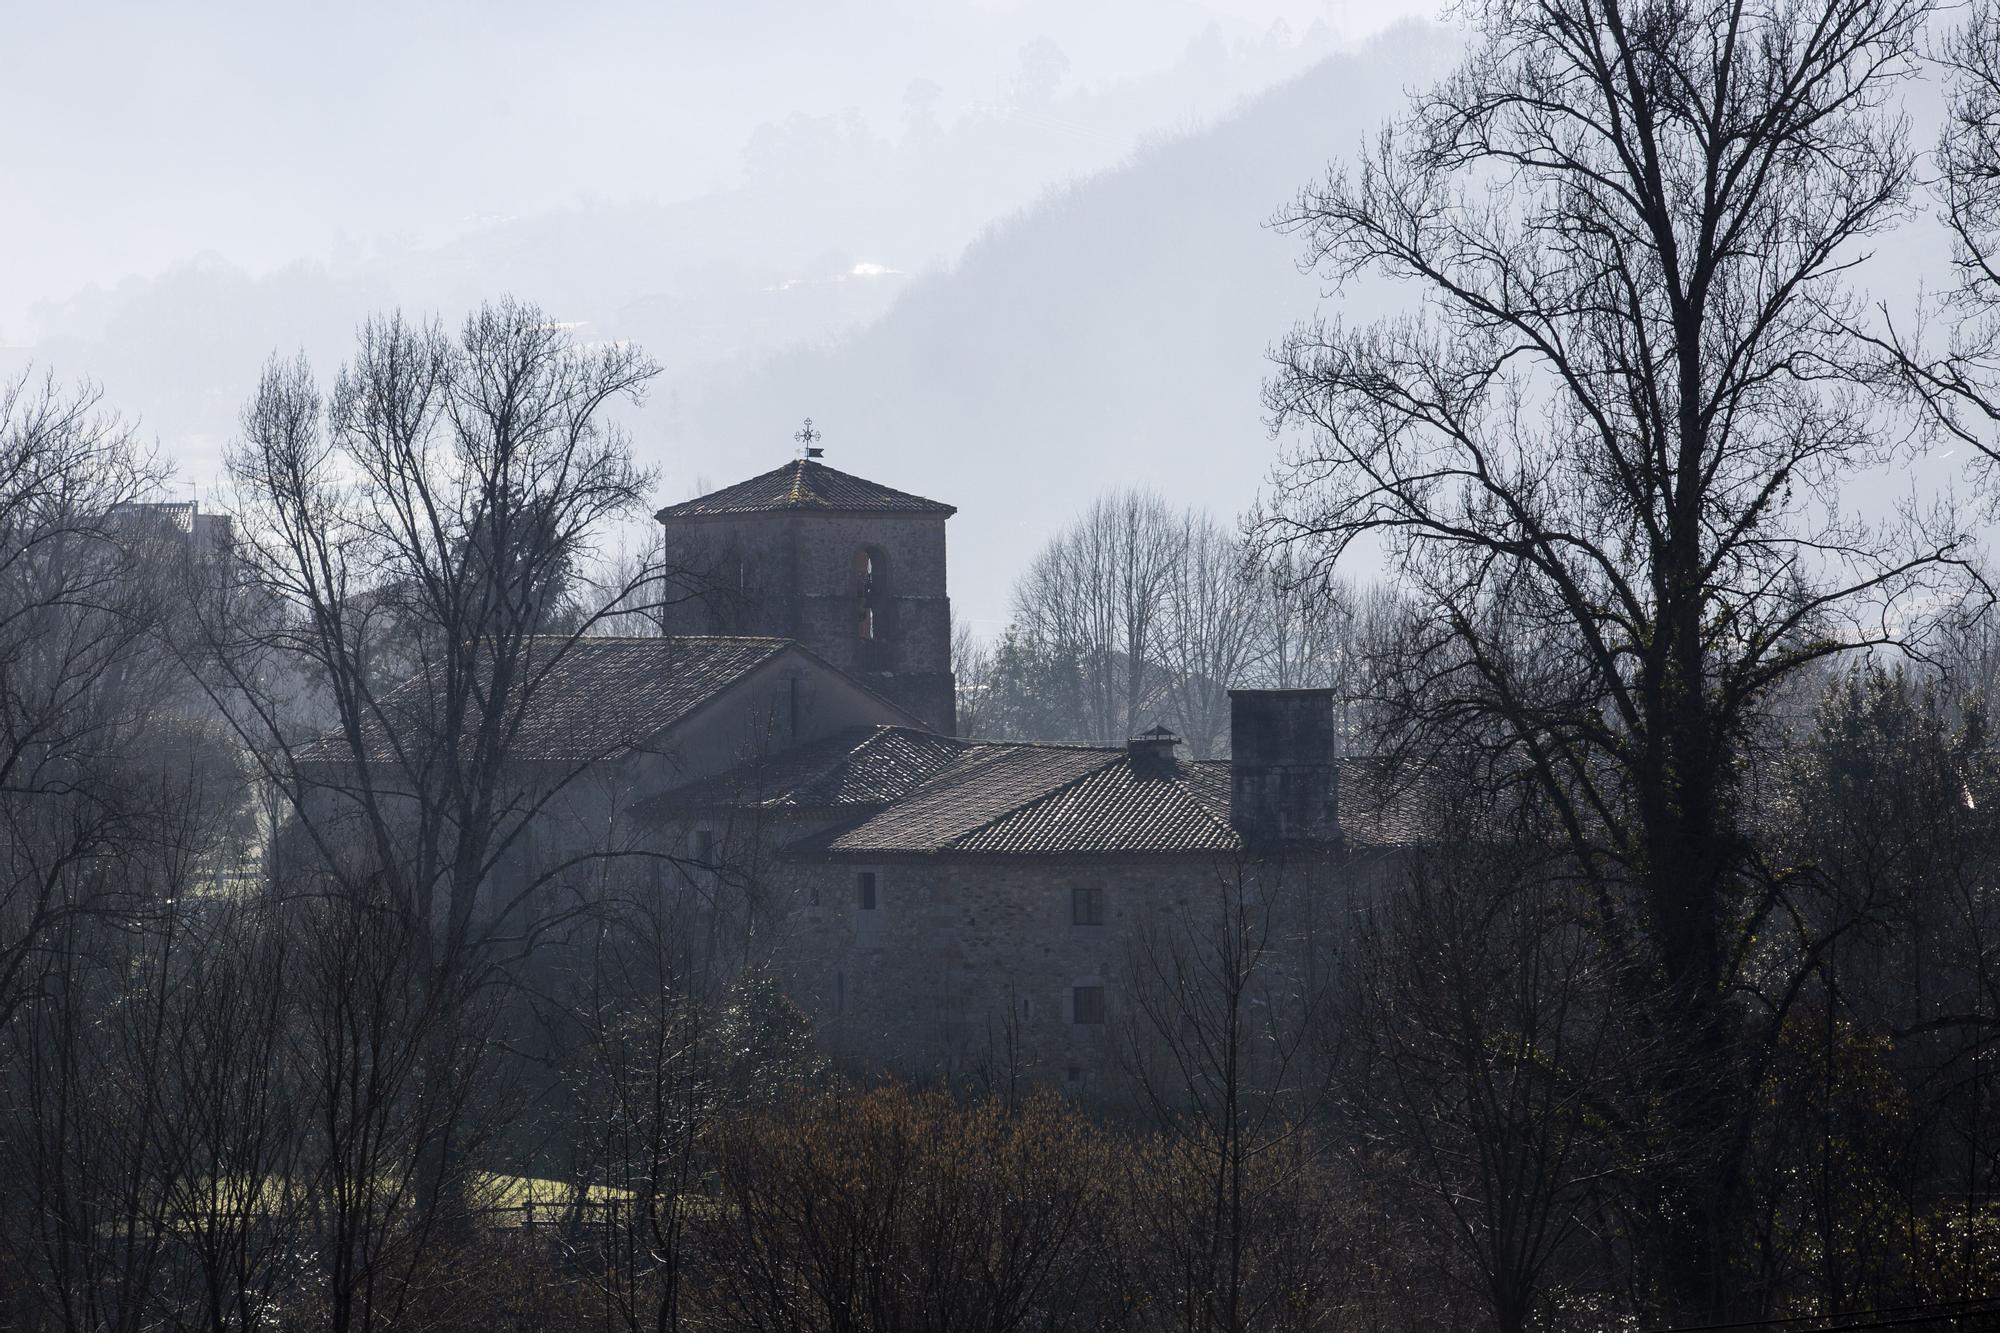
(805, 485)
(945, 779)
(1046, 745)
(585, 639)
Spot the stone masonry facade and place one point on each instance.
(862, 586)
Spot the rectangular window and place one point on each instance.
(1086, 905)
(1089, 1003)
(865, 882)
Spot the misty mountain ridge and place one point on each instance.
(827, 216)
(1107, 332)
(1118, 333)
(1115, 333)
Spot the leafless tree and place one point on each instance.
(1488, 1073)
(409, 552)
(237, 1190)
(396, 1074)
(432, 508)
(629, 588)
(972, 669)
(1956, 376)
(1606, 459)
(1095, 596)
(1880, 1140)
(1304, 626)
(653, 1086)
(1316, 632)
(894, 1210)
(1209, 639)
(81, 677)
(1225, 1043)
(144, 1084)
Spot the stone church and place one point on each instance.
(941, 904)
(787, 751)
(853, 570)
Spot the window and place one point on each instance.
(1088, 1002)
(867, 585)
(865, 884)
(1086, 905)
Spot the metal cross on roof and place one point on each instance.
(808, 437)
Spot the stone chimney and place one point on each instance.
(1152, 753)
(1284, 786)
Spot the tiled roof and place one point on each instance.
(1035, 800)
(1003, 799)
(596, 700)
(808, 485)
(1117, 809)
(1384, 804)
(858, 766)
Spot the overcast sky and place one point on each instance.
(855, 209)
(140, 134)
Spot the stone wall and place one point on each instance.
(792, 574)
(909, 658)
(968, 968)
(971, 968)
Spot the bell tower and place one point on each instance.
(852, 569)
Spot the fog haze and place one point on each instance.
(267, 135)
(1004, 254)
